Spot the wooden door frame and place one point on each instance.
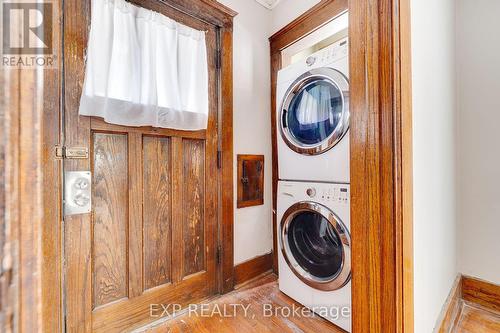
(30, 207)
(381, 155)
(31, 199)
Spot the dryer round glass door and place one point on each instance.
(316, 246)
(315, 111)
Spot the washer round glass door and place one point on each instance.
(316, 246)
(315, 111)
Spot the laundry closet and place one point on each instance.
(313, 198)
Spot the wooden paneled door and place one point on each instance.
(151, 237)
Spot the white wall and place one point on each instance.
(478, 67)
(434, 155)
(288, 10)
(252, 121)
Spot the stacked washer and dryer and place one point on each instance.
(313, 208)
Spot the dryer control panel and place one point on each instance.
(330, 54)
(336, 51)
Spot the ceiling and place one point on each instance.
(269, 4)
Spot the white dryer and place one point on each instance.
(313, 117)
(314, 260)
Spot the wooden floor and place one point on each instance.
(254, 296)
(476, 319)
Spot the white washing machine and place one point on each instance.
(314, 259)
(313, 117)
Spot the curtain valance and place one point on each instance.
(144, 69)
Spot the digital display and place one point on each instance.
(344, 190)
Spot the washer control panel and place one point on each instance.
(329, 194)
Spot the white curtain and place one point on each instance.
(144, 69)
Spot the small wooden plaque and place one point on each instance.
(250, 180)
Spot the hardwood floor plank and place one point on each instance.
(474, 319)
(253, 297)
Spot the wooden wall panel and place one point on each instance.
(157, 211)
(110, 223)
(194, 206)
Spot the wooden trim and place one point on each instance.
(29, 198)
(381, 151)
(52, 299)
(7, 311)
(252, 268)
(481, 292)
(9, 206)
(322, 13)
(275, 67)
(99, 124)
(76, 132)
(451, 308)
(227, 183)
(210, 11)
(381, 223)
(23, 199)
(224, 10)
(404, 148)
